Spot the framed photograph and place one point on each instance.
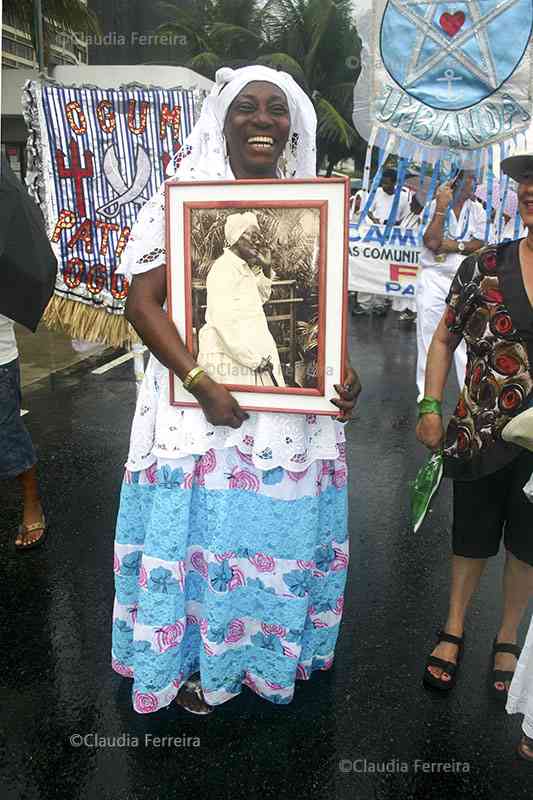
(257, 288)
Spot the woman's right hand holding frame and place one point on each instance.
(218, 405)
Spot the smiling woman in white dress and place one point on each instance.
(236, 345)
(231, 547)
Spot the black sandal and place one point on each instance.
(502, 675)
(447, 666)
(191, 697)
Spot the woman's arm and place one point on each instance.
(430, 430)
(450, 246)
(434, 233)
(144, 310)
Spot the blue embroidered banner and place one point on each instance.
(448, 75)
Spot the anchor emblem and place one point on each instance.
(452, 59)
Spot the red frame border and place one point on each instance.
(322, 281)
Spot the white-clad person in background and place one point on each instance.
(381, 207)
(17, 455)
(457, 223)
(235, 344)
(357, 202)
(406, 305)
(508, 231)
(379, 214)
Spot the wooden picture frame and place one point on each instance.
(266, 314)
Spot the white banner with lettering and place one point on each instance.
(383, 264)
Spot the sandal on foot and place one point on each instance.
(502, 675)
(449, 667)
(35, 526)
(525, 742)
(191, 698)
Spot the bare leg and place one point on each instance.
(517, 590)
(466, 573)
(33, 511)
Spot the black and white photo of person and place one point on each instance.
(235, 344)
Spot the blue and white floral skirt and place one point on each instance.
(231, 571)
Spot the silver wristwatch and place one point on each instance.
(461, 247)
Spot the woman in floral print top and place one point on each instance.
(490, 309)
(489, 306)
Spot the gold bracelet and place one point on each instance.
(192, 377)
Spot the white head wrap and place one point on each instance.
(203, 153)
(203, 157)
(237, 224)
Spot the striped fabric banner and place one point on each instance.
(106, 152)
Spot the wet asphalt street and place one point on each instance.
(365, 729)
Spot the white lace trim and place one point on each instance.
(291, 441)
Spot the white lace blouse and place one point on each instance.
(291, 441)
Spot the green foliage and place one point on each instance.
(314, 40)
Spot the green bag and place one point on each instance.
(424, 488)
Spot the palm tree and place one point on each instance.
(70, 15)
(219, 32)
(321, 37)
(314, 40)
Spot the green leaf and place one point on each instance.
(206, 64)
(195, 38)
(287, 64)
(332, 126)
(232, 38)
(323, 13)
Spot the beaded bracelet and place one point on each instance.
(428, 405)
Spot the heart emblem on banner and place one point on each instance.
(452, 23)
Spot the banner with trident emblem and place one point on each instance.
(100, 155)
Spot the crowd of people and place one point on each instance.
(469, 200)
(232, 535)
(474, 297)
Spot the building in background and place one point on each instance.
(18, 50)
(18, 54)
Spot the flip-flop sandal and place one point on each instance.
(450, 667)
(525, 740)
(502, 675)
(35, 526)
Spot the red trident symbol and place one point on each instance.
(76, 172)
